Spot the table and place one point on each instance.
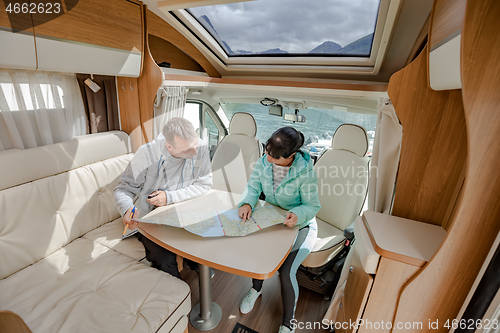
(258, 255)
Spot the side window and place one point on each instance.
(192, 112)
(204, 124)
(211, 134)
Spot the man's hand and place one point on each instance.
(290, 219)
(127, 218)
(245, 212)
(158, 198)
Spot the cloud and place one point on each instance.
(296, 26)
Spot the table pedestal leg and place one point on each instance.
(207, 314)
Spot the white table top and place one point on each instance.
(401, 239)
(258, 255)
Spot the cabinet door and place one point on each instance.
(94, 36)
(17, 44)
(357, 288)
(340, 326)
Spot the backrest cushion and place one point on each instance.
(41, 216)
(233, 162)
(343, 180)
(236, 153)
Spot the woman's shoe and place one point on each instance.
(284, 329)
(249, 300)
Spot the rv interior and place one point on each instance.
(405, 92)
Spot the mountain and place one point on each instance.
(242, 52)
(327, 47)
(361, 46)
(273, 51)
(205, 21)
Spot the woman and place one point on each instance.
(286, 176)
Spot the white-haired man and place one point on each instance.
(173, 168)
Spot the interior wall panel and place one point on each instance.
(434, 147)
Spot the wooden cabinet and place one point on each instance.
(90, 37)
(357, 289)
(392, 250)
(17, 49)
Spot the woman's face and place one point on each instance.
(281, 161)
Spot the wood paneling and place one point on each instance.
(437, 293)
(163, 51)
(148, 82)
(434, 146)
(113, 23)
(277, 83)
(447, 18)
(12, 323)
(15, 21)
(181, 4)
(358, 286)
(128, 100)
(389, 280)
(158, 27)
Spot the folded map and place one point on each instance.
(218, 223)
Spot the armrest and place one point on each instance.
(349, 232)
(12, 323)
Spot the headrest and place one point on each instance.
(243, 123)
(352, 138)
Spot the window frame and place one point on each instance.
(184, 22)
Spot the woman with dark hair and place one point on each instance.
(286, 176)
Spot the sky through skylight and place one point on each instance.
(323, 27)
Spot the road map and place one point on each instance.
(219, 223)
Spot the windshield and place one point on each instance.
(318, 129)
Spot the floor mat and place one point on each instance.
(242, 329)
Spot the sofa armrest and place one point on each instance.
(12, 323)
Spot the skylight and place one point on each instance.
(340, 28)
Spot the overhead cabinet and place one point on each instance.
(17, 50)
(91, 37)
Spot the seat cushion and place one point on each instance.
(329, 242)
(110, 235)
(88, 287)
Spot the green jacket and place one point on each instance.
(298, 191)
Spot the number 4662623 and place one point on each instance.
(33, 8)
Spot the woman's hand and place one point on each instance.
(290, 219)
(157, 198)
(127, 218)
(245, 212)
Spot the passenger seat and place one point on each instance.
(342, 183)
(236, 154)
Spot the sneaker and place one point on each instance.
(284, 329)
(249, 300)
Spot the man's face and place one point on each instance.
(183, 148)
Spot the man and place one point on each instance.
(173, 168)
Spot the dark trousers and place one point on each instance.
(163, 259)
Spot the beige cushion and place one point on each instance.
(40, 217)
(110, 235)
(236, 152)
(328, 244)
(243, 123)
(343, 184)
(87, 287)
(25, 165)
(352, 138)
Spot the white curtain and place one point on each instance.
(385, 158)
(169, 103)
(39, 108)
